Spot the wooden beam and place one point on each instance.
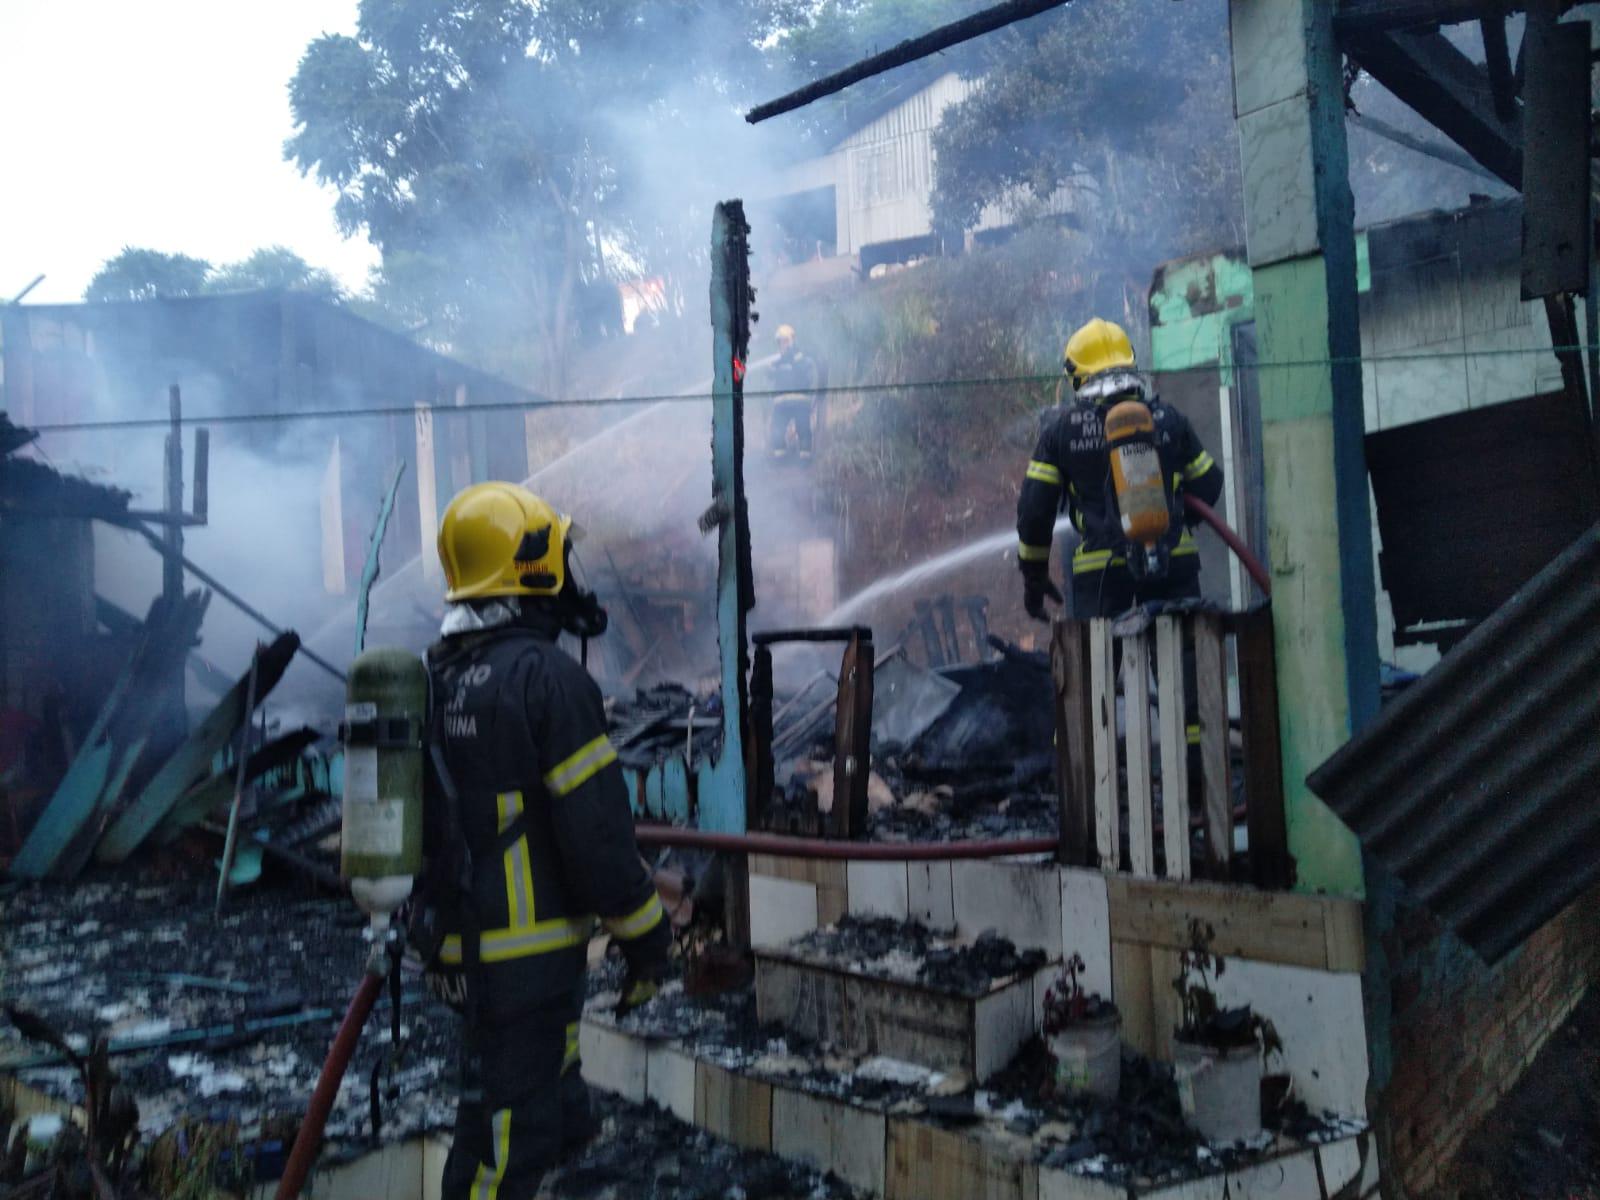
(191, 762)
(1497, 60)
(1452, 92)
(1103, 715)
(1373, 16)
(65, 833)
(1211, 684)
(1433, 149)
(1290, 928)
(1136, 722)
(1069, 665)
(1174, 746)
(908, 51)
(1557, 253)
(1270, 864)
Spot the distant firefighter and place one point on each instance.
(794, 379)
(1119, 470)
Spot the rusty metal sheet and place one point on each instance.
(1480, 785)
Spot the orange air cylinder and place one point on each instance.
(1136, 473)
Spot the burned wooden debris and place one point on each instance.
(218, 1027)
(891, 949)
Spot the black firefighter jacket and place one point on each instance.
(1071, 470)
(526, 746)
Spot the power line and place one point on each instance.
(397, 410)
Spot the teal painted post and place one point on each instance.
(721, 790)
(1301, 243)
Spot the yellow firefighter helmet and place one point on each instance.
(498, 539)
(1097, 346)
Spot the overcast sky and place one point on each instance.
(156, 123)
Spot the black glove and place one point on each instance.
(1036, 585)
(646, 957)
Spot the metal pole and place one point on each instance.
(172, 564)
(246, 737)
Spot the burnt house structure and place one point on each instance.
(286, 375)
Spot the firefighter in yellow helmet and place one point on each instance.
(1070, 472)
(528, 837)
(794, 379)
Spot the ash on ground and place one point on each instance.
(942, 814)
(1543, 1140)
(1141, 1138)
(641, 1153)
(238, 1013)
(905, 951)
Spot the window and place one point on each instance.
(877, 175)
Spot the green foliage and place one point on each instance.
(1204, 1021)
(498, 152)
(1123, 108)
(273, 267)
(138, 274)
(940, 333)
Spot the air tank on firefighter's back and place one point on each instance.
(1141, 491)
(386, 719)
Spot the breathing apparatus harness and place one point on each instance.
(1138, 484)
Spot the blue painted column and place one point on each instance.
(721, 787)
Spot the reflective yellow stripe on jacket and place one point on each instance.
(1094, 560)
(1084, 561)
(573, 772)
(1029, 553)
(1200, 464)
(526, 934)
(1043, 472)
(519, 871)
(639, 922)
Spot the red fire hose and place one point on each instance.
(309, 1139)
(798, 847)
(1252, 564)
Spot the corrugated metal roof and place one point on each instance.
(1480, 785)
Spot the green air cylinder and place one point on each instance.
(385, 720)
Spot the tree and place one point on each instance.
(273, 267)
(1119, 108)
(492, 150)
(139, 274)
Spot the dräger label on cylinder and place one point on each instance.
(372, 826)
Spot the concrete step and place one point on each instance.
(859, 1010)
(888, 1142)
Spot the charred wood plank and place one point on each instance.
(64, 834)
(191, 763)
(908, 51)
(1270, 863)
(1069, 659)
